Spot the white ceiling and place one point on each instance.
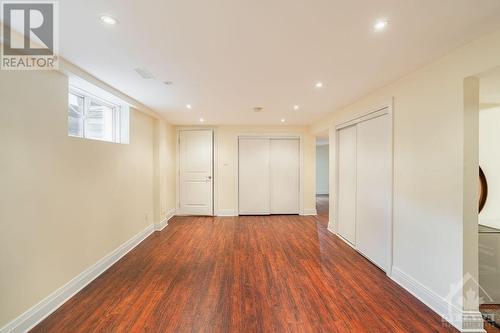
(227, 56)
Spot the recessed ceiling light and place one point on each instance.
(282, 120)
(108, 20)
(295, 107)
(189, 106)
(202, 120)
(319, 84)
(380, 25)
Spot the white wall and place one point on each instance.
(489, 160)
(433, 161)
(322, 159)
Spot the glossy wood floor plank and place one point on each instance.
(245, 274)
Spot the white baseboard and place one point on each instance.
(226, 212)
(309, 212)
(342, 238)
(464, 321)
(160, 226)
(331, 227)
(40, 311)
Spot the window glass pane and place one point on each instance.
(99, 121)
(75, 115)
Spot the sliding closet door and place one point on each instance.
(347, 183)
(284, 168)
(253, 176)
(374, 189)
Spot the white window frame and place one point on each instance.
(116, 114)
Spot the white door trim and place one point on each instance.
(300, 137)
(215, 169)
(386, 108)
(377, 112)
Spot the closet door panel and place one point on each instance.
(284, 173)
(347, 183)
(253, 184)
(374, 188)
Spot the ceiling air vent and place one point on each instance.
(144, 73)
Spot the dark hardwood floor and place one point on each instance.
(322, 203)
(495, 310)
(245, 274)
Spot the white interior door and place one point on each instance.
(346, 209)
(374, 189)
(253, 178)
(284, 175)
(196, 172)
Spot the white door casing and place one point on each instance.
(196, 172)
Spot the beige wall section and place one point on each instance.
(171, 138)
(429, 164)
(164, 172)
(65, 202)
(227, 163)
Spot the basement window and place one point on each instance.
(95, 118)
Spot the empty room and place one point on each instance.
(250, 166)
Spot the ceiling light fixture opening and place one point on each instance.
(319, 85)
(189, 106)
(283, 120)
(296, 107)
(202, 120)
(108, 19)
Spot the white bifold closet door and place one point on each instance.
(374, 189)
(268, 176)
(347, 183)
(284, 177)
(254, 186)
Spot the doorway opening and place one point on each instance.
(489, 196)
(322, 177)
